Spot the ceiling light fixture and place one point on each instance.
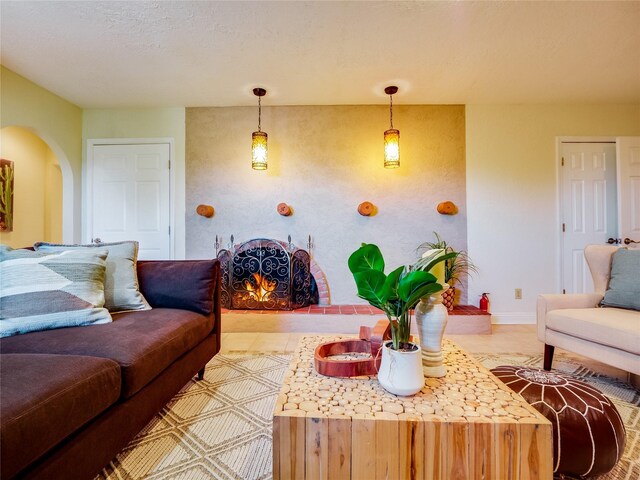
(259, 138)
(391, 136)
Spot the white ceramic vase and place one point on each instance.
(431, 318)
(401, 372)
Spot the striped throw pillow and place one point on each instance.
(43, 290)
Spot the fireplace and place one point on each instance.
(263, 274)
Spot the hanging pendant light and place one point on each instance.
(259, 138)
(391, 136)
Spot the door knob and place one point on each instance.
(627, 241)
(97, 240)
(613, 241)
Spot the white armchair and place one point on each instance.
(575, 322)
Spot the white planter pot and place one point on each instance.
(431, 319)
(401, 372)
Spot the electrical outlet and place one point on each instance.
(518, 294)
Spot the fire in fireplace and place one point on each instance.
(264, 274)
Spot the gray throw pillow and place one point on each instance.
(624, 284)
(45, 290)
(121, 288)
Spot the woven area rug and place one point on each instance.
(220, 428)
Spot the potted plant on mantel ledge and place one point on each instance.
(395, 294)
(457, 265)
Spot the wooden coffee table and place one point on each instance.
(466, 425)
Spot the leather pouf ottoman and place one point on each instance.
(588, 433)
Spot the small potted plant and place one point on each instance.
(395, 294)
(457, 265)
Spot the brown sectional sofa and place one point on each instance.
(72, 398)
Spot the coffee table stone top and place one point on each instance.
(468, 392)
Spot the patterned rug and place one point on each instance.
(220, 428)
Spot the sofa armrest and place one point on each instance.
(549, 302)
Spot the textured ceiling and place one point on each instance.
(206, 53)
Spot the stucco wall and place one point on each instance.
(513, 224)
(57, 122)
(324, 161)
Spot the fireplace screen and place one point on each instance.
(266, 274)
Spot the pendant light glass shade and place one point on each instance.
(391, 136)
(392, 148)
(259, 150)
(259, 138)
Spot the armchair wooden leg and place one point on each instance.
(548, 356)
(201, 374)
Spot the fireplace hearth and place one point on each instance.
(264, 274)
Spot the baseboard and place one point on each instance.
(513, 318)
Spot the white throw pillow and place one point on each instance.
(121, 289)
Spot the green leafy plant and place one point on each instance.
(457, 265)
(395, 294)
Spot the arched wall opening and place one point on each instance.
(43, 188)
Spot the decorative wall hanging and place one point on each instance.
(391, 136)
(259, 138)
(6, 195)
(366, 209)
(447, 208)
(205, 210)
(284, 209)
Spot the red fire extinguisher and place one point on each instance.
(484, 302)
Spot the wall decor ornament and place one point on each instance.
(259, 138)
(447, 208)
(366, 209)
(6, 195)
(205, 210)
(391, 136)
(284, 209)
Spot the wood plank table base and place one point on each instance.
(466, 425)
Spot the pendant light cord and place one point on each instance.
(259, 112)
(391, 109)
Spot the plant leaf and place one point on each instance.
(391, 284)
(422, 292)
(427, 263)
(413, 281)
(370, 285)
(367, 257)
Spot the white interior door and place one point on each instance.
(628, 155)
(589, 210)
(130, 196)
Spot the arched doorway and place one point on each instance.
(43, 188)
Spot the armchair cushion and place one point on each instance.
(548, 302)
(613, 327)
(624, 285)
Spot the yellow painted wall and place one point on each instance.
(146, 123)
(36, 189)
(513, 224)
(57, 122)
(53, 199)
